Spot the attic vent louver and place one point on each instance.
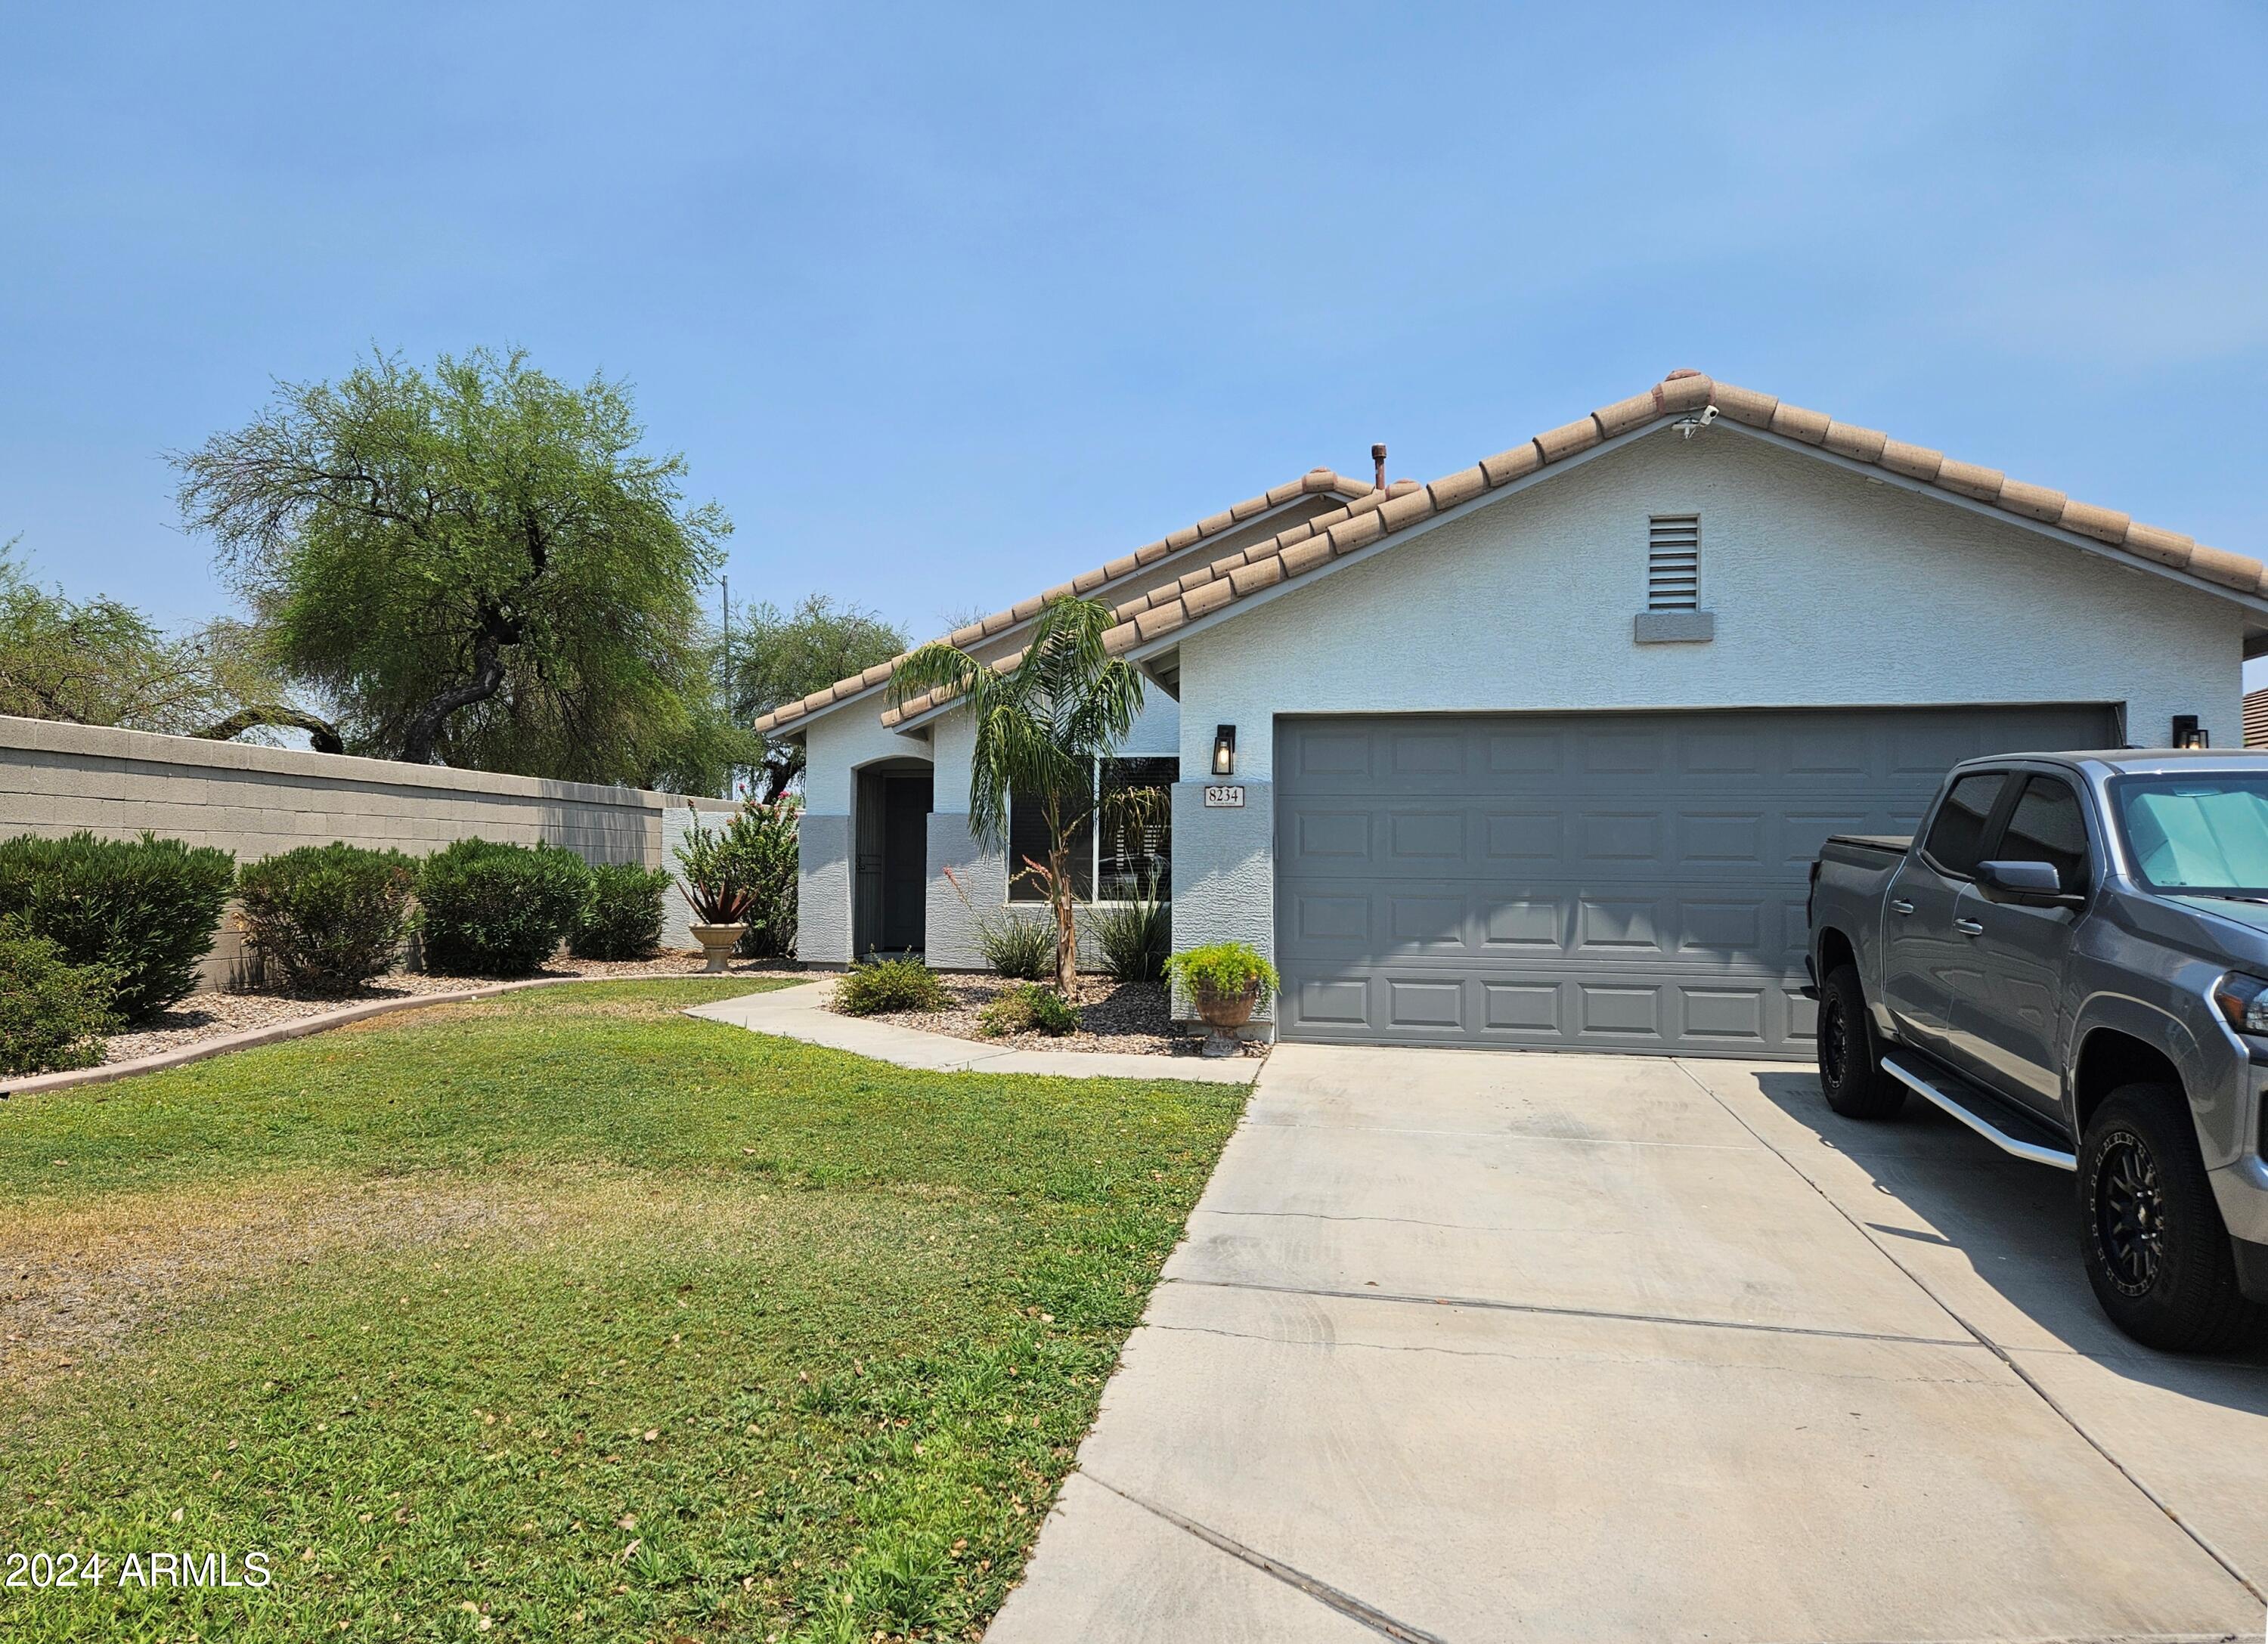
(1673, 562)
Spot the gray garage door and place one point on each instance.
(1630, 882)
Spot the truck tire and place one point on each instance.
(1850, 1055)
(2155, 1247)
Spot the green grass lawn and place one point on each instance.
(566, 1316)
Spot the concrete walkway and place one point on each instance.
(800, 1013)
(1468, 1346)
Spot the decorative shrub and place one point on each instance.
(621, 919)
(714, 876)
(330, 916)
(1027, 1009)
(765, 836)
(491, 909)
(887, 984)
(1133, 938)
(1022, 950)
(1226, 970)
(147, 909)
(53, 1013)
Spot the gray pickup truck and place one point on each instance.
(2071, 958)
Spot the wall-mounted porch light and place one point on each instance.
(2189, 734)
(1224, 751)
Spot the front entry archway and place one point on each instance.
(890, 898)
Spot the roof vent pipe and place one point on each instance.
(1378, 463)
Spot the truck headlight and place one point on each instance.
(2244, 999)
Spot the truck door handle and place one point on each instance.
(1968, 926)
(1902, 907)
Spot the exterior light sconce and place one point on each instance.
(2189, 734)
(1223, 750)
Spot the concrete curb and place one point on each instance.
(39, 1085)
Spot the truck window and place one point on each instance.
(1956, 837)
(2205, 832)
(2048, 826)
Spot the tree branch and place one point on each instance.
(497, 632)
(323, 734)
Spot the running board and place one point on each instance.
(1972, 1108)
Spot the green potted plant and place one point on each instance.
(715, 886)
(1226, 981)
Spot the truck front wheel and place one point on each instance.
(2155, 1247)
(1850, 1057)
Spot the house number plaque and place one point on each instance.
(1224, 796)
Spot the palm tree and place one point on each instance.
(1041, 725)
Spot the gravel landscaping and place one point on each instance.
(209, 1014)
(1126, 1018)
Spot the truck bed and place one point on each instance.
(1888, 844)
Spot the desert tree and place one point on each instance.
(478, 565)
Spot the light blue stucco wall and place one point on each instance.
(1827, 590)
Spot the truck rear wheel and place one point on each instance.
(2155, 1247)
(1850, 1056)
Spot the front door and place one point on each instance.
(1929, 955)
(2010, 1030)
(905, 862)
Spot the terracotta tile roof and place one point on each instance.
(1315, 482)
(1374, 516)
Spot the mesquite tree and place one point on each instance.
(475, 565)
(1041, 726)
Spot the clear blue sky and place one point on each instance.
(944, 303)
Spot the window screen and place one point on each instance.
(1956, 837)
(1028, 843)
(1135, 856)
(1122, 849)
(2048, 826)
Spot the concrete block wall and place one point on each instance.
(56, 779)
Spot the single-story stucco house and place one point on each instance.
(1537, 755)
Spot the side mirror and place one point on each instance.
(2026, 884)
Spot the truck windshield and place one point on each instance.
(2203, 834)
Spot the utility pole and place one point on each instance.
(724, 628)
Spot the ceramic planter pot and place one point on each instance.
(1223, 1014)
(716, 944)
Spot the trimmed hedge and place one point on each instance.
(621, 917)
(53, 1013)
(331, 916)
(492, 909)
(146, 909)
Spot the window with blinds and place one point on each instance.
(1673, 562)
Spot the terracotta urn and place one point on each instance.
(1223, 1014)
(716, 944)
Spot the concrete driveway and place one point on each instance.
(1466, 1347)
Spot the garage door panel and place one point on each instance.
(1425, 1003)
(1417, 838)
(1526, 752)
(1630, 882)
(1722, 839)
(1419, 922)
(1529, 837)
(1331, 836)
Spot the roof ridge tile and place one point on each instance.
(1371, 516)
